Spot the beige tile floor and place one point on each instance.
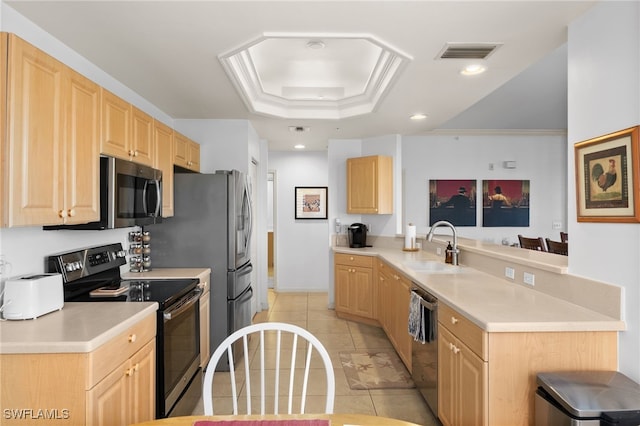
(309, 310)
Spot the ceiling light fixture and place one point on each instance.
(299, 146)
(418, 116)
(473, 69)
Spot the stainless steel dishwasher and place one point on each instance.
(424, 356)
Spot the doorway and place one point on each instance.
(271, 237)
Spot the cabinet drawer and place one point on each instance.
(113, 353)
(468, 333)
(353, 260)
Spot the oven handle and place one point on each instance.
(182, 305)
(430, 305)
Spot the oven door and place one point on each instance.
(137, 194)
(178, 344)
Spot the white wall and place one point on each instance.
(540, 159)
(604, 96)
(302, 246)
(224, 144)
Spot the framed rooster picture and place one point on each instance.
(607, 177)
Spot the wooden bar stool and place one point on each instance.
(558, 247)
(532, 243)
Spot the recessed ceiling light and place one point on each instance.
(299, 146)
(418, 116)
(315, 45)
(473, 69)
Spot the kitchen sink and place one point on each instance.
(433, 267)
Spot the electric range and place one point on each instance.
(93, 275)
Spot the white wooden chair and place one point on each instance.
(270, 336)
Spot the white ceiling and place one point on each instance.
(167, 51)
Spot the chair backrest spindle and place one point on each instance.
(270, 335)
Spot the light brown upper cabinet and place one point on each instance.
(186, 152)
(3, 121)
(51, 168)
(370, 185)
(163, 136)
(127, 132)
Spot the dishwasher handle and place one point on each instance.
(426, 300)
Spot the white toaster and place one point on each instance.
(30, 296)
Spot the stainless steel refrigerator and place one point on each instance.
(211, 227)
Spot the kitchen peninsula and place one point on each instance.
(510, 332)
(63, 366)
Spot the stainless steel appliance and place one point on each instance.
(574, 398)
(357, 235)
(211, 227)
(130, 195)
(424, 356)
(93, 275)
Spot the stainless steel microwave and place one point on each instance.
(130, 195)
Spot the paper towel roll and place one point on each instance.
(410, 237)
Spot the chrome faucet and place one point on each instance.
(455, 238)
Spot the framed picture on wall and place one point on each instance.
(453, 200)
(311, 202)
(505, 203)
(607, 177)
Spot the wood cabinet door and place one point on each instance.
(35, 136)
(4, 39)
(194, 156)
(143, 384)
(403, 338)
(142, 138)
(115, 138)
(362, 196)
(342, 278)
(108, 402)
(472, 387)
(447, 377)
(163, 136)
(362, 292)
(82, 149)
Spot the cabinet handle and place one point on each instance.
(128, 372)
(131, 153)
(351, 258)
(454, 320)
(62, 214)
(136, 367)
(132, 338)
(396, 277)
(456, 349)
(71, 212)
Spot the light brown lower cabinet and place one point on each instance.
(393, 309)
(112, 385)
(461, 382)
(489, 378)
(355, 289)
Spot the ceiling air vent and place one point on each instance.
(467, 50)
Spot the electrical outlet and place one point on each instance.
(529, 278)
(510, 273)
(439, 251)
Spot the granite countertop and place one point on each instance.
(77, 327)
(494, 304)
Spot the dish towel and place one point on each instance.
(416, 321)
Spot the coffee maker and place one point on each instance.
(357, 235)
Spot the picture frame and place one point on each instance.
(607, 178)
(311, 202)
(453, 200)
(506, 202)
